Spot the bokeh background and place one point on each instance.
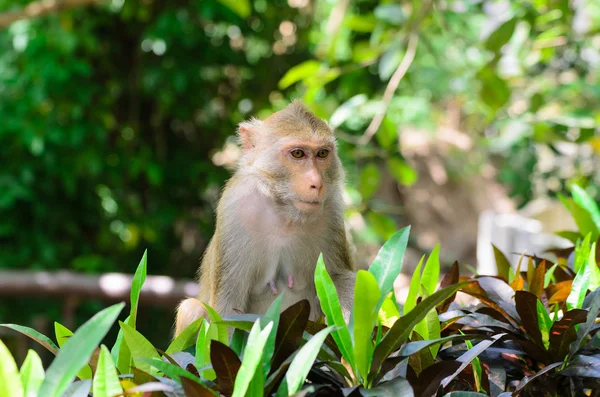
(117, 122)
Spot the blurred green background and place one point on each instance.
(117, 120)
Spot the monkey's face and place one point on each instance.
(308, 170)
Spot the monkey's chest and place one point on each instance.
(287, 269)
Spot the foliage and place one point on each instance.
(531, 331)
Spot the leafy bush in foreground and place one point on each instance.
(531, 331)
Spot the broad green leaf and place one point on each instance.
(106, 380)
(139, 347)
(595, 270)
(503, 266)
(10, 382)
(120, 353)
(582, 253)
(431, 271)
(136, 287)
(402, 328)
(585, 328)
(186, 338)
(36, 336)
(389, 312)
(330, 304)
(404, 174)
(579, 287)
(271, 316)
(390, 60)
(32, 374)
(123, 357)
(549, 275)
(369, 181)
(215, 319)
(433, 329)
(257, 385)
(588, 204)
(347, 109)
(382, 225)
(391, 13)
(77, 351)
(388, 263)
(544, 322)
(62, 334)
(206, 333)
(501, 36)
(495, 92)
(414, 288)
(252, 358)
(303, 361)
(299, 72)
(582, 218)
(241, 7)
(366, 296)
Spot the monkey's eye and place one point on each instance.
(322, 153)
(297, 153)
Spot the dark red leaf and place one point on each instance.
(226, 365)
(526, 304)
(292, 323)
(450, 278)
(428, 382)
(194, 389)
(537, 283)
(563, 333)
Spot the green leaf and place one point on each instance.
(389, 312)
(390, 60)
(136, 287)
(62, 334)
(494, 91)
(366, 296)
(241, 7)
(501, 36)
(202, 357)
(106, 380)
(549, 274)
(369, 181)
(431, 272)
(303, 361)
(388, 263)
(588, 204)
(10, 382)
(120, 353)
(391, 13)
(402, 328)
(476, 364)
(404, 174)
(36, 336)
(271, 316)
(544, 322)
(433, 329)
(186, 338)
(215, 319)
(503, 266)
(77, 351)
(579, 287)
(582, 218)
(226, 365)
(32, 374)
(299, 72)
(384, 226)
(139, 347)
(252, 358)
(414, 288)
(330, 305)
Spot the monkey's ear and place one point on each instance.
(248, 132)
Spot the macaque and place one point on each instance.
(281, 208)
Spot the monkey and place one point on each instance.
(280, 209)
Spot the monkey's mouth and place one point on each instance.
(307, 205)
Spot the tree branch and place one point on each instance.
(41, 8)
(391, 88)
